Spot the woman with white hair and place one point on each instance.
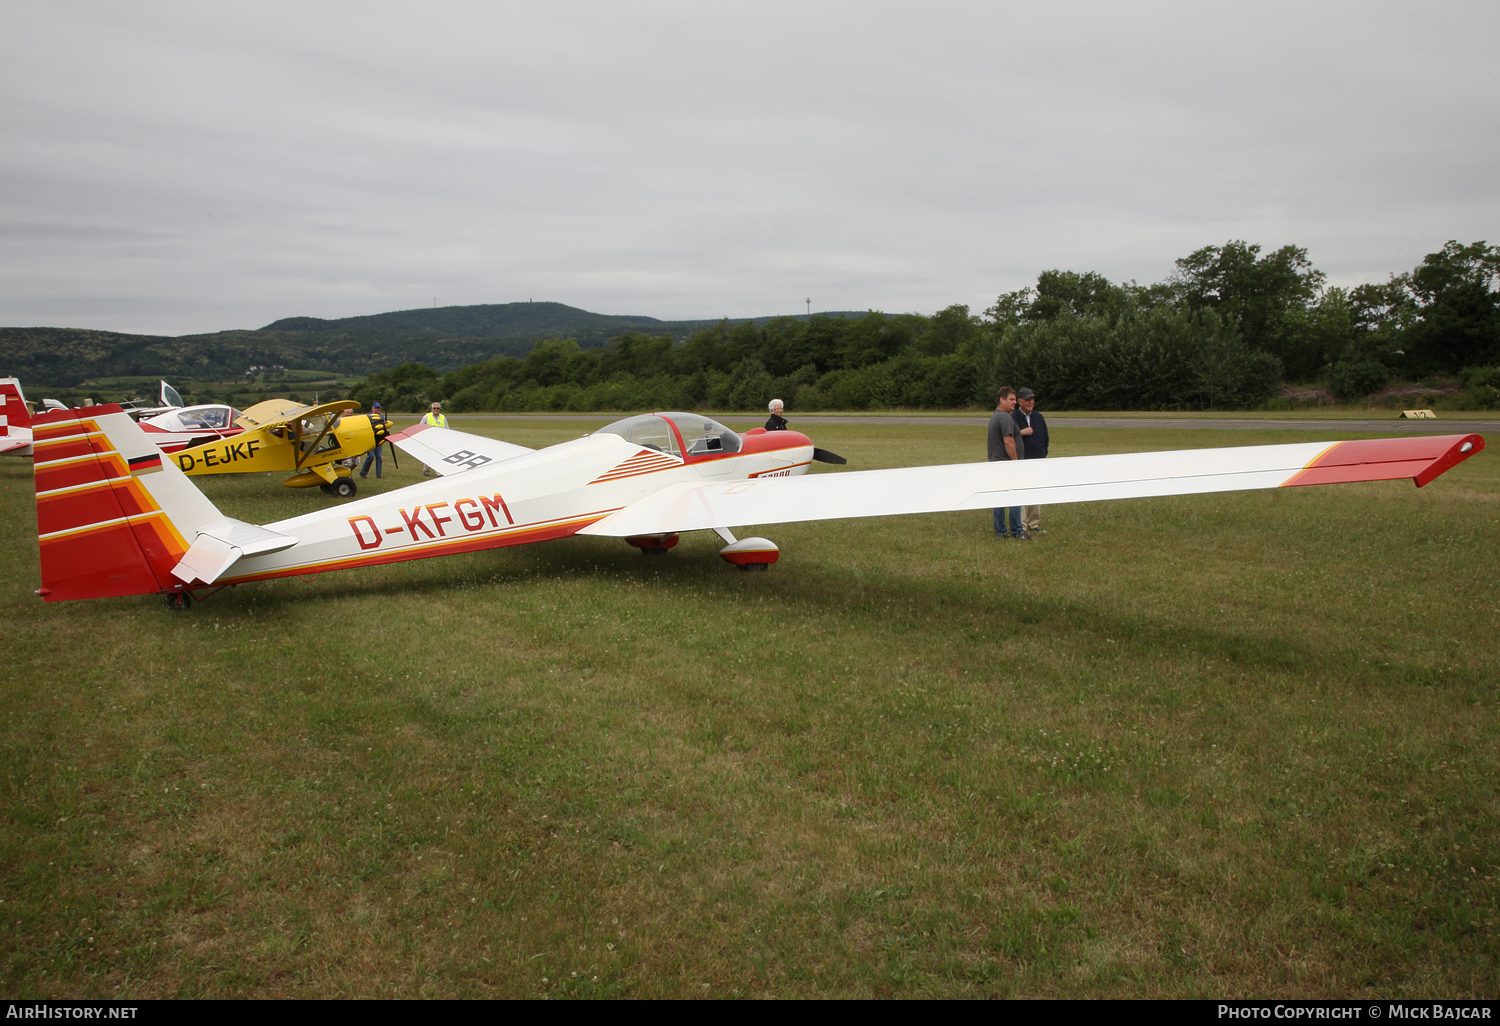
(777, 421)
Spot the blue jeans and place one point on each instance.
(1017, 526)
(373, 456)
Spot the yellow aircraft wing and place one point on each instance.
(265, 413)
(288, 411)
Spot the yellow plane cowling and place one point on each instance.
(310, 440)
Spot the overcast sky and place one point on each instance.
(173, 168)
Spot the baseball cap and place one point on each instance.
(374, 406)
(1025, 393)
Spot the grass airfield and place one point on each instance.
(1226, 745)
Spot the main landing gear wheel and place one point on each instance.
(344, 488)
(179, 602)
(653, 544)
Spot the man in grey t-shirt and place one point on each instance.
(1005, 443)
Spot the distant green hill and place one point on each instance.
(489, 320)
(444, 338)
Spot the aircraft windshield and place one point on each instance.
(169, 396)
(648, 430)
(703, 436)
(312, 428)
(204, 417)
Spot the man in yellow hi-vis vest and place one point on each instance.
(434, 419)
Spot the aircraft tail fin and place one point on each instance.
(15, 419)
(114, 517)
(13, 403)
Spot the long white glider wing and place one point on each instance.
(452, 452)
(872, 493)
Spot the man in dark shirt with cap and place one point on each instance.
(377, 416)
(1033, 428)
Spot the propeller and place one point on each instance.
(382, 430)
(824, 456)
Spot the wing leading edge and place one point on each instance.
(903, 490)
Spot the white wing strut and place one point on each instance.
(873, 493)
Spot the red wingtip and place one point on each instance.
(1420, 458)
(1462, 449)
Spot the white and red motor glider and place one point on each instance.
(184, 428)
(15, 419)
(115, 518)
(174, 426)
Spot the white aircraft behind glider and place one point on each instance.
(115, 518)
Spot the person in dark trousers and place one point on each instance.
(1005, 443)
(377, 417)
(776, 422)
(1034, 435)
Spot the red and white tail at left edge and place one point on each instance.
(15, 419)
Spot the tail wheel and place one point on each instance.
(179, 602)
(343, 488)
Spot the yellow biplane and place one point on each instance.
(311, 441)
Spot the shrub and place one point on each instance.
(1156, 359)
(1352, 382)
(1483, 384)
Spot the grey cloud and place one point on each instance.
(692, 160)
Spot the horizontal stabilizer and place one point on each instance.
(219, 546)
(452, 452)
(205, 560)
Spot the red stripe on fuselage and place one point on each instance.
(451, 547)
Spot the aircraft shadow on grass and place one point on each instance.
(818, 594)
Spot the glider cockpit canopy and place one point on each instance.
(676, 433)
(211, 417)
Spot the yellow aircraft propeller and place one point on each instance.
(310, 441)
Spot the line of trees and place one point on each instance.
(1223, 331)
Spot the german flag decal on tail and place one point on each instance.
(145, 464)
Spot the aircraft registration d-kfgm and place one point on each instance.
(116, 517)
(279, 435)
